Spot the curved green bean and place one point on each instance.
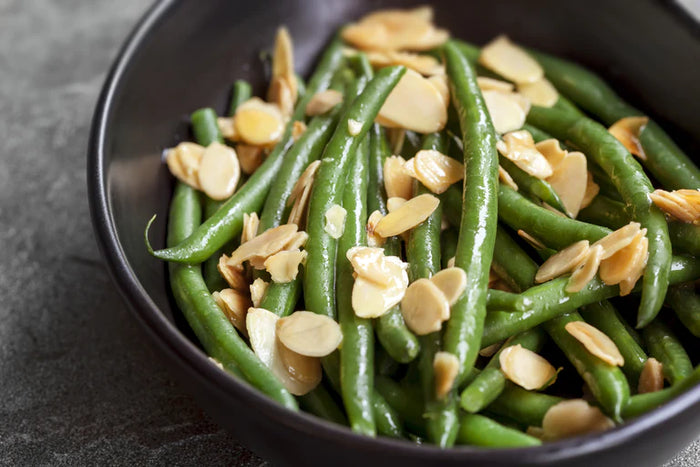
(526, 407)
(477, 430)
(511, 263)
(642, 403)
(664, 346)
(320, 403)
(686, 303)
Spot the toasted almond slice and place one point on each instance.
(573, 417)
(424, 307)
(490, 350)
(370, 300)
(268, 243)
(592, 190)
(525, 368)
(233, 275)
(392, 204)
(298, 129)
(532, 241)
(354, 127)
(535, 432)
(227, 128)
(304, 370)
(452, 282)
(414, 104)
(217, 363)
(335, 221)
(569, 181)
(251, 223)
(283, 266)
(369, 264)
(323, 101)
(683, 205)
(374, 240)
(490, 84)
(305, 179)
(183, 162)
(298, 213)
(423, 64)
(624, 263)
(259, 123)
(563, 262)
(445, 369)
(439, 81)
(297, 241)
(506, 179)
(280, 93)
(451, 262)
(257, 291)
(506, 111)
(519, 147)
(250, 157)
(552, 151)
(540, 92)
(301, 192)
(636, 270)
(652, 377)
(309, 334)
(234, 305)
(413, 212)
(617, 240)
(396, 181)
(283, 61)
(627, 131)
(396, 138)
(437, 171)
(510, 61)
(596, 342)
(586, 271)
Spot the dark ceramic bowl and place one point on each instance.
(185, 54)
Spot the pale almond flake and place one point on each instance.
(267, 243)
(297, 241)
(301, 192)
(526, 368)
(617, 240)
(259, 123)
(424, 64)
(586, 271)
(183, 162)
(683, 205)
(573, 417)
(627, 131)
(354, 127)
(309, 334)
(552, 151)
(592, 190)
(490, 350)
(519, 147)
(540, 92)
(250, 157)
(506, 179)
(280, 94)
(435, 170)
(335, 221)
(251, 224)
(219, 171)
(298, 129)
(306, 372)
(440, 83)
(227, 128)
(596, 342)
(563, 262)
(410, 214)
(368, 263)
(451, 262)
(627, 262)
(396, 138)
(414, 104)
(394, 203)
(235, 306)
(233, 275)
(323, 101)
(636, 269)
(490, 84)
(374, 240)
(506, 110)
(397, 182)
(371, 300)
(283, 62)
(652, 377)
(569, 180)
(532, 241)
(452, 282)
(445, 369)
(257, 291)
(283, 266)
(424, 307)
(510, 61)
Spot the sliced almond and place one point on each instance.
(309, 334)
(234, 305)
(490, 350)
(335, 221)
(183, 162)
(506, 179)
(250, 157)
(510, 61)
(625, 262)
(354, 127)
(490, 84)
(301, 192)
(652, 377)
(569, 181)
(396, 181)
(369, 264)
(374, 240)
(683, 205)
(371, 300)
(507, 113)
(552, 151)
(305, 179)
(227, 128)
(424, 307)
(233, 275)
(298, 129)
(414, 104)
(283, 62)
(617, 240)
(394, 203)
(251, 224)
(452, 282)
(532, 241)
(571, 418)
(305, 371)
(592, 190)
(436, 171)
(423, 64)
(635, 270)
(396, 138)
(596, 342)
(525, 368)
(268, 243)
(627, 131)
(257, 291)
(441, 85)
(563, 262)
(445, 369)
(281, 94)
(283, 266)
(297, 241)
(323, 101)
(540, 92)
(259, 123)
(412, 213)
(519, 147)
(586, 271)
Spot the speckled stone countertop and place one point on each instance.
(78, 383)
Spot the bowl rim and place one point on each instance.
(170, 338)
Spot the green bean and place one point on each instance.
(489, 384)
(477, 430)
(526, 407)
(216, 231)
(511, 263)
(634, 187)
(301, 86)
(506, 301)
(478, 225)
(405, 400)
(686, 303)
(553, 301)
(534, 186)
(664, 159)
(240, 93)
(603, 316)
(320, 403)
(448, 245)
(319, 290)
(643, 403)
(281, 297)
(607, 382)
(216, 334)
(664, 346)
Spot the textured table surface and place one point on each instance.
(78, 384)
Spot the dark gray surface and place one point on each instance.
(78, 383)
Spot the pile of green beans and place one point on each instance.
(382, 380)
